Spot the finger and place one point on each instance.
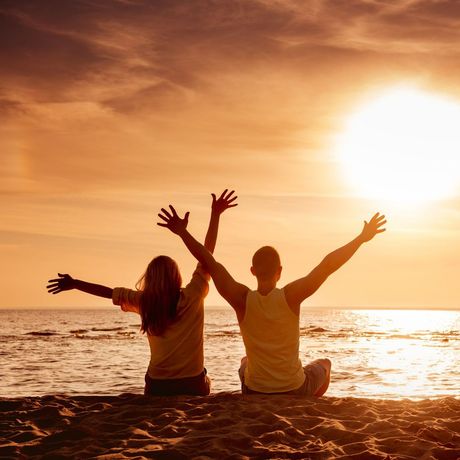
(52, 286)
(376, 216)
(54, 291)
(381, 223)
(55, 280)
(63, 275)
(232, 205)
(173, 210)
(230, 194)
(381, 230)
(232, 200)
(166, 219)
(166, 213)
(213, 197)
(161, 224)
(223, 193)
(186, 216)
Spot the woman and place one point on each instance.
(171, 316)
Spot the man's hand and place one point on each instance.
(372, 227)
(173, 221)
(224, 202)
(63, 283)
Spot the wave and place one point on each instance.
(221, 325)
(42, 333)
(118, 336)
(223, 334)
(317, 329)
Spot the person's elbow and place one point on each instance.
(327, 266)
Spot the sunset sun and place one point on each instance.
(403, 146)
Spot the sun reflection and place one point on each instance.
(407, 351)
(388, 353)
(408, 321)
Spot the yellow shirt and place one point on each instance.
(270, 331)
(178, 353)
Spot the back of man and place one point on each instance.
(270, 331)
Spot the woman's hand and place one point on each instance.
(63, 283)
(224, 202)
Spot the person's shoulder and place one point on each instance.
(199, 283)
(127, 299)
(201, 273)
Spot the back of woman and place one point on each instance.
(176, 353)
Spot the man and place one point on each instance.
(269, 317)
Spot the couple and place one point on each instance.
(173, 317)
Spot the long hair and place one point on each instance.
(160, 286)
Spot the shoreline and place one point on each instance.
(228, 307)
(228, 424)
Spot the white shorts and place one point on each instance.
(315, 377)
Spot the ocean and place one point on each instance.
(388, 354)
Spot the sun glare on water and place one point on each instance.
(404, 147)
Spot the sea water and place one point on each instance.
(374, 353)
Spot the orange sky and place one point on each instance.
(113, 109)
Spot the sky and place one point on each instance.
(113, 109)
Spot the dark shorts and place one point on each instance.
(315, 377)
(193, 386)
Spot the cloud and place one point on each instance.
(120, 52)
(162, 54)
(139, 94)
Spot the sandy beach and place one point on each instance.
(228, 425)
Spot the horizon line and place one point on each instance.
(328, 307)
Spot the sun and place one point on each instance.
(403, 146)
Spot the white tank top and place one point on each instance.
(270, 331)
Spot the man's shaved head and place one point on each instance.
(266, 263)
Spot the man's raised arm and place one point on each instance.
(234, 293)
(297, 291)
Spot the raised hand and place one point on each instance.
(63, 283)
(172, 220)
(373, 227)
(224, 202)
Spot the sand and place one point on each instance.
(228, 425)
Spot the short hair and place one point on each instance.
(266, 262)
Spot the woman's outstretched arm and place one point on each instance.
(66, 283)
